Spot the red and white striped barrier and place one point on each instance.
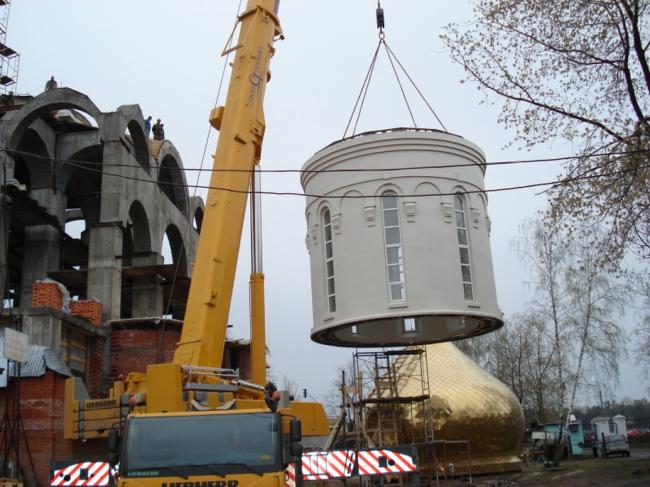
(88, 474)
(338, 464)
(323, 465)
(379, 462)
(290, 475)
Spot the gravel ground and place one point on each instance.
(590, 472)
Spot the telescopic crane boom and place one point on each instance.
(193, 381)
(242, 125)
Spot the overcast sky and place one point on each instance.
(165, 56)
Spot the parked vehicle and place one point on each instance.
(639, 433)
(616, 445)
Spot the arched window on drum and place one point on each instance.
(329, 261)
(393, 244)
(463, 247)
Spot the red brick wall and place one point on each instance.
(42, 398)
(41, 409)
(133, 348)
(95, 366)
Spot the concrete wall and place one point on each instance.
(76, 161)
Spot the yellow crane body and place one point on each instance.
(192, 400)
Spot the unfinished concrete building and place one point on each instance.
(88, 201)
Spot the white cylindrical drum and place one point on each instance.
(398, 237)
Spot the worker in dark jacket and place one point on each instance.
(51, 84)
(158, 131)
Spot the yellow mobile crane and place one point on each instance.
(190, 420)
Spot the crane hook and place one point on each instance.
(380, 20)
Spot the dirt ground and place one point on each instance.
(591, 472)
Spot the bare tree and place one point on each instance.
(576, 70)
(596, 299)
(521, 355)
(580, 302)
(640, 285)
(546, 255)
(569, 335)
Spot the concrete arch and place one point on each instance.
(139, 226)
(134, 125)
(171, 177)
(87, 161)
(196, 211)
(16, 123)
(33, 164)
(82, 182)
(177, 246)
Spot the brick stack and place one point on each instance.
(47, 294)
(90, 310)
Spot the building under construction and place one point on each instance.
(87, 202)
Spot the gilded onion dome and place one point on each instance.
(467, 404)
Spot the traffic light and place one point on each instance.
(304, 393)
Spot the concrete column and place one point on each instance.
(42, 247)
(116, 150)
(6, 171)
(146, 292)
(4, 236)
(105, 269)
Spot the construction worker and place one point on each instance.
(51, 84)
(158, 132)
(147, 126)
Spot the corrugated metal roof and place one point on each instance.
(39, 359)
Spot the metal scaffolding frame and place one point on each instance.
(9, 58)
(380, 414)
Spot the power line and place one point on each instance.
(341, 170)
(558, 182)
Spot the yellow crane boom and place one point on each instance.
(193, 381)
(242, 127)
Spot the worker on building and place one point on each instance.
(158, 132)
(51, 84)
(147, 126)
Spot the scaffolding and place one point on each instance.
(388, 403)
(9, 58)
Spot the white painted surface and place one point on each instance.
(433, 286)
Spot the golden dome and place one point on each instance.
(470, 404)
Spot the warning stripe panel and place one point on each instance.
(323, 465)
(95, 474)
(377, 462)
(290, 476)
